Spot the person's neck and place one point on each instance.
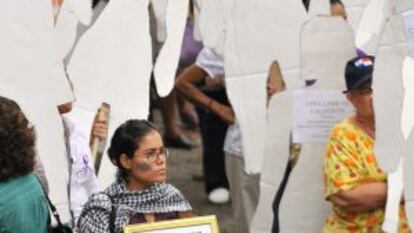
(134, 185)
(366, 123)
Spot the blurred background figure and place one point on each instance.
(338, 9)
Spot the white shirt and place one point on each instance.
(212, 63)
(83, 181)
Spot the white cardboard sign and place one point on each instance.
(315, 112)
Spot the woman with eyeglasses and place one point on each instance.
(354, 183)
(140, 193)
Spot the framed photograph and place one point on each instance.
(203, 224)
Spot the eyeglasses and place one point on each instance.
(362, 91)
(153, 155)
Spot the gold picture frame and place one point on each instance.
(203, 224)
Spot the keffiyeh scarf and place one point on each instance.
(158, 198)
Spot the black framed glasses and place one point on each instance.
(153, 155)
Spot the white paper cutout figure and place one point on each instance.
(388, 73)
(160, 12)
(32, 74)
(320, 36)
(212, 23)
(250, 35)
(71, 14)
(371, 25)
(407, 122)
(167, 61)
(197, 5)
(112, 63)
(354, 9)
(389, 102)
(394, 194)
(276, 156)
(319, 7)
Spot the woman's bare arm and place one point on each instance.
(362, 199)
(186, 85)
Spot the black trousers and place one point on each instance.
(213, 131)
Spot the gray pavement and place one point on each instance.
(182, 166)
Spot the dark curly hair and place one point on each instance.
(126, 140)
(17, 141)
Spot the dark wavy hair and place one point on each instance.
(126, 140)
(17, 141)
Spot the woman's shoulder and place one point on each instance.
(24, 183)
(343, 128)
(172, 190)
(99, 200)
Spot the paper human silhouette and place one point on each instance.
(248, 35)
(32, 74)
(320, 36)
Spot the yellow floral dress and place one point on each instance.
(349, 162)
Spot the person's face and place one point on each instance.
(361, 99)
(148, 164)
(338, 10)
(275, 81)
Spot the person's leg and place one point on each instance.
(169, 116)
(187, 112)
(244, 190)
(215, 133)
(249, 196)
(234, 167)
(173, 136)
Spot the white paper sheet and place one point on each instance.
(71, 14)
(212, 23)
(112, 61)
(160, 12)
(319, 7)
(388, 101)
(275, 159)
(321, 57)
(409, 182)
(371, 25)
(407, 117)
(394, 193)
(315, 112)
(248, 95)
(197, 5)
(354, 9)
(304, 195)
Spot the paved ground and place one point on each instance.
(182, 166)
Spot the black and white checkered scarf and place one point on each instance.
(158, 198)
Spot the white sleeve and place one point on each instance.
(211, 62)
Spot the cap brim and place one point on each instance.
(360, 83)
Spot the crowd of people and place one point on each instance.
(354, 183)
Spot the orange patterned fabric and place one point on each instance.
(349, 162)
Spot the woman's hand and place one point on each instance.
(223, 111)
